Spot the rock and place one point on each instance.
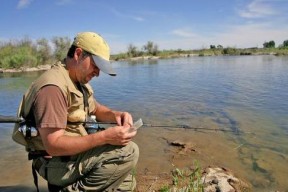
(220, 179)
(262, 165)
(185, 146)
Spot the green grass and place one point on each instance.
(186, 180)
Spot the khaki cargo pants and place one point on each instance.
(105, 168)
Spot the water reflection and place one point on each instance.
(142, 61)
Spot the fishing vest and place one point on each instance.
(58, 76)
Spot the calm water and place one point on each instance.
(241, 94)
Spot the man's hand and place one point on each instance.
(124, 119)
(104, 114)
(118, 135)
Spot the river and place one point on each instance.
(245, 95)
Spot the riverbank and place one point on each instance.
(197, 53)
(26, 69)
(166, 54)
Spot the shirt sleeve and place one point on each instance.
(50, 108)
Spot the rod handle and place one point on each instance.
(9, 119)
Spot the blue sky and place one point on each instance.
(171, 24)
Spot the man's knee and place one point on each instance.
(134, 150)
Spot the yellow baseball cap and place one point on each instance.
(97, 46)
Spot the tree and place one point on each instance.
(44, 50)
(270, 44)
(151, 48)
(212, 46)
(285, 43)
(132, 51)
(19, 54)
(61, 45)
(229, 51)
(219, 47)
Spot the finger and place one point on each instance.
(118, 121)
(127, 119)
(126, 142)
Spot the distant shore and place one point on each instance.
(26, 69)
(113, 58)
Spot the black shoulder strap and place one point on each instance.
(84, 91)
(35, 177)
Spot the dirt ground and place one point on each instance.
(160, 153)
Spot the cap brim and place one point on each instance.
(104, 65)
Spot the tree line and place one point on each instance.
(151, 49)
(27, 53)
(269, 44)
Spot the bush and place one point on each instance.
(119, 56)
(230, 51)
(18, 60)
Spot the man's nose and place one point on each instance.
(96, 72)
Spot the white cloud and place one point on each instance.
(239, 36)
(133, 17)
(63, 2)
(138, 18)
(251, 35)
(23, 4)
(183, 33)
(257, 9)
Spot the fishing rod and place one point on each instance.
(137, 124)
(193, 128)
(10, 119)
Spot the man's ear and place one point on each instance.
(77, 53)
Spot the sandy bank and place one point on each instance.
(26, 69)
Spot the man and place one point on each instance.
(69, 157)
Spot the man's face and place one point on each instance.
(87, 68)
